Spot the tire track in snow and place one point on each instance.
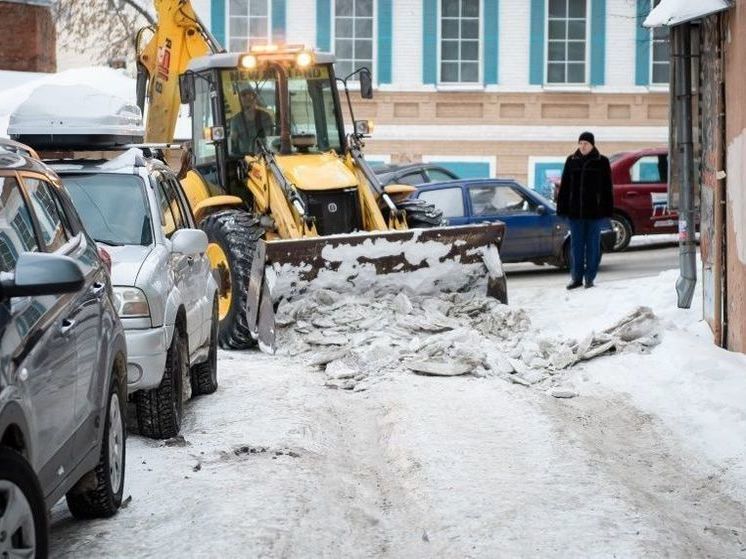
(688, 514)
(361, 504)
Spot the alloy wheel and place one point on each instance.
(116, 443)
(17, 532)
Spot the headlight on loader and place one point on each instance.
(130, 302)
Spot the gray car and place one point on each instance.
(62, 362)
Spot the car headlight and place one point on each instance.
(130, 302)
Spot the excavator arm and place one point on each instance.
(177, 37)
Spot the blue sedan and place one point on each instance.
(534, 231)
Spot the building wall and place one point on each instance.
(735, 103)
(28, 42)
(418, 118)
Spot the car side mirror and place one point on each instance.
(541, 209)
(189, 242)
(366, 84)
(42, 274)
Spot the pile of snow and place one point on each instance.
(360, 339)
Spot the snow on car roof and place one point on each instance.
(71, 110)
(122, 163)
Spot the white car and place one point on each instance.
(166, 294)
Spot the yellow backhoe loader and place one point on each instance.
(287, 199)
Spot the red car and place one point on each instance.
(641, 195)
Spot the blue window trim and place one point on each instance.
(491, 34)
(429, 41)
(323, 25)
(385, 31)
(642, 40)
(279, 19)
(536, 42)
(217, 20)
(598, 42)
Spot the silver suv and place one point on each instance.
(134, 207)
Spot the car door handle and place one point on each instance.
(630, 194)
(99, 288)
(67, 326)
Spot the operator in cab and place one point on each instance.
(252, 122)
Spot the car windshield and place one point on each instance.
(113, 208)
(253, 110)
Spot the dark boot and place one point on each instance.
(588, 284)
(574, 284)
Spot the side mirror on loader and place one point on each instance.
(366, 84)
(186, 88)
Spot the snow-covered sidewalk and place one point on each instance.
(648, 460)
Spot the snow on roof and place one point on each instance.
(17, 87)
(674, 12)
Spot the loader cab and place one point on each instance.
(285, 102)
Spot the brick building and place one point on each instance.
(485, 87)
(27, 36)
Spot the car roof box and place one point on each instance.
(75, 117)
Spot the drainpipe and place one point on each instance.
(683, 98)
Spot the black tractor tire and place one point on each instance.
(159, 410)
(204, 376)
(237, 233)
(623, 229)
(420, 214)
(16, 474)
(96, 494)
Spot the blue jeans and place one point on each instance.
(585, 248)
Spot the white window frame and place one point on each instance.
(355, 82)
(587, 61)
(480, 56)
(491, 160)
(228, 23)
(655, 84)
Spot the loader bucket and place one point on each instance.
(420, 260)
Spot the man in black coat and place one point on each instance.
(587, 199)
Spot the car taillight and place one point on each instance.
(105, 258)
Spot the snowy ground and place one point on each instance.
(648, 460)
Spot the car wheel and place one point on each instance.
(24, 530)
(98, 493)
(205, 375)
(623, 230)
(159, 409)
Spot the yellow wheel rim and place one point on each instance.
(219, 262)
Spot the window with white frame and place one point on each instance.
(353, 35)
(248, 24)
(567, 32)
(659, 53)
(459, 41)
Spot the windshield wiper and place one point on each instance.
(109, 242)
